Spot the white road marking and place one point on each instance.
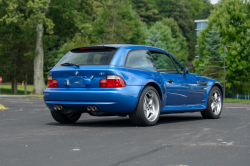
(76, 149)
(228, 143)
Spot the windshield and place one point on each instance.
(89, 57)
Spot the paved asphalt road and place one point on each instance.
(30, 137)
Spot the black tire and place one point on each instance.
(138, 116)
(209, 113)
(65, 118)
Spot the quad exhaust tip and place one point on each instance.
(92, 108)
(89, 108)
(58, 107)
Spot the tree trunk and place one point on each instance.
(14, 80)
(25, 85)
(234, 91)
(12, 85)
(15, 85)
(39, 84)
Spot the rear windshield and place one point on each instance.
(89, 57)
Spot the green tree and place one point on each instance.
(213, 65)
(36, 20)
(180, 52)
(146, 11)
(69, 18)
(196, 6)
(118, 23)
(232, 22)
(16, 40)
(180, 11)
(167, 41)
(154, 40)
(205, 12)
(32, 14)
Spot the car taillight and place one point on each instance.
(52, 83)
(112, 81)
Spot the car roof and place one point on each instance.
(132, 46)
(129, 46)
(114, 45)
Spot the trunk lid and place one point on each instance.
(82, 77)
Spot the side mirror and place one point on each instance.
(184, 71)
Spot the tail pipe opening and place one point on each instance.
(92, 108)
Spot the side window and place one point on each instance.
(164, 63)
(140, 59)
(178, 65)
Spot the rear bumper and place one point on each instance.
(117, 100)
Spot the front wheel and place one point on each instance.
(214, 104)
(65, 118)
(147, 111)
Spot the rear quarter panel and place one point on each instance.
(135, 77)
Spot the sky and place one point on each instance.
(214, 1)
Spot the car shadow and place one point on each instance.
(125, 122)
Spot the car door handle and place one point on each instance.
(170, 80)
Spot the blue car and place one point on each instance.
(118, 80)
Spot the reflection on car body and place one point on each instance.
(140, 81)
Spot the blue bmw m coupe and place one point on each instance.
(118, 80)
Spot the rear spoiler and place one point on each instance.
(92, 48)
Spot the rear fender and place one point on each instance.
(131, 77)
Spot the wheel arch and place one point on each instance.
(220, 87)
(153, 84)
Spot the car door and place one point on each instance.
(197, 84)
(177, 86)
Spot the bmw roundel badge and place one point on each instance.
(76, 73)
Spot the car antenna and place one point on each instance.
(102, 41)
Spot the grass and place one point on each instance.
(229, 100)
(41, 96)
(6, 89)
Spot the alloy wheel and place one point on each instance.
(216, 103)
(151, 105)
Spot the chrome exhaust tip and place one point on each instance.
(60, 107)
(56, 107)
(93, 108)
(89, 108)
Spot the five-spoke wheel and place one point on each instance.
(151, 105)
(214, 104)
(147, 111)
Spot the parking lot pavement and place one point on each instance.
(29, 136)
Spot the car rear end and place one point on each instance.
(82, 81)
